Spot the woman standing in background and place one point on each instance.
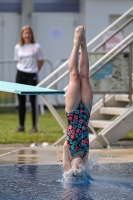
(29, 57)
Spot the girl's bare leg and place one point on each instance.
(86, 90)
(73, 95)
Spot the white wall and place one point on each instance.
(95, 14)
(54, 31)
(45, 26)
(9, 33)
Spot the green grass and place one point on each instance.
(129, 135)
(48, 128)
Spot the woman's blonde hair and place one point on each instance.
(21, 40)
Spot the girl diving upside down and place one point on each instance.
(78, 107)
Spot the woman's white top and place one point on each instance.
(27, 56)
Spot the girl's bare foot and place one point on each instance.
(83, 42)
(78, 35)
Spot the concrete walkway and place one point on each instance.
(53, 155)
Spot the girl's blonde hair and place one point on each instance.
(21, 40)
(75, 172)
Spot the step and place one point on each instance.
(100, 123)
(119, 127)
(91, 136)
(112, 110)
(122, 97)
(94, 142)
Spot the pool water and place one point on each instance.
(44, 182)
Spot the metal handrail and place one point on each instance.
(58, 79)
(53, 73)
(112, 50)
(124, 42)
(13, 63)
(7, 61)
(117, 31)
(109, 27)
(111, 57)
(99, 61)
(88, 44)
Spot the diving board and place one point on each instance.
(23, 89)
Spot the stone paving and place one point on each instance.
(53, 155)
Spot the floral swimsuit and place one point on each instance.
(77, 130)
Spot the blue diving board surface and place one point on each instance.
(23, 89)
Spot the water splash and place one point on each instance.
(84, 177)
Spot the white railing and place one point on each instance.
(122, 17)
(110, 26)
(119, 47)
(109, 55)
